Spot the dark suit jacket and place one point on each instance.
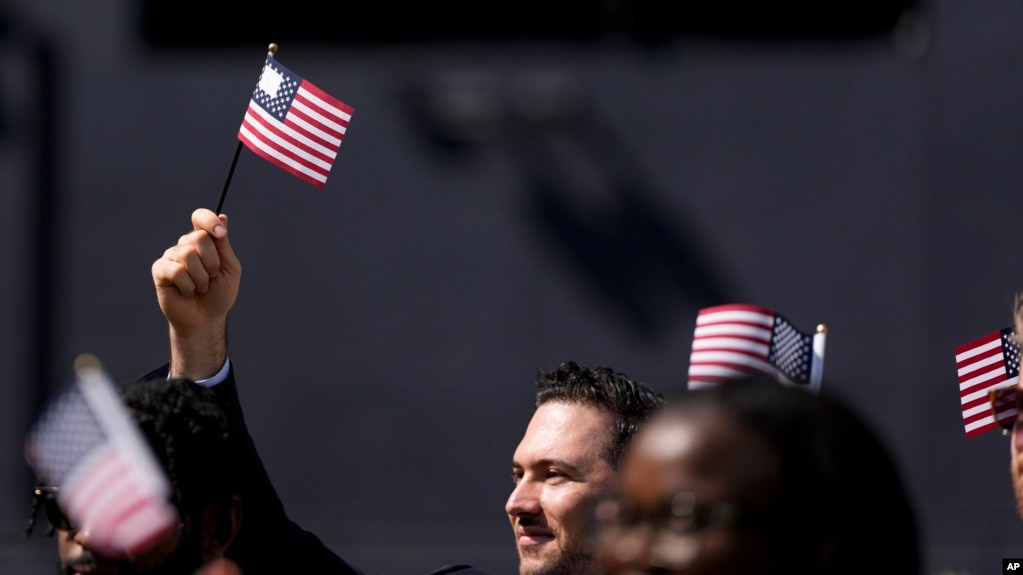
(269, 542)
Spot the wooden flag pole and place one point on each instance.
(271, 50)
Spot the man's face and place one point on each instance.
(679, 472)
(560, 471)
(179, 554)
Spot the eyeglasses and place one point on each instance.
(673, 532)
(1005, 404)
(45, 497)
(684, 515)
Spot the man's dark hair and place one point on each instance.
(631, 402)
(192, 435)
(841, 489)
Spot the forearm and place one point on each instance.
(198, 355)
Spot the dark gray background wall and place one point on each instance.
(389, 326)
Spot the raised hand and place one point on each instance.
(197, 283)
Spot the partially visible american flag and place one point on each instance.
(108, 479)
(982, 364)
(293, 124)
(740, 339)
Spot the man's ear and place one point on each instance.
(220, 525)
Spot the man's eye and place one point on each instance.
(516, 477)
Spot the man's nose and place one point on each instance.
(524, 499)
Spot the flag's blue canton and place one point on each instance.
(791, 351)
(1011, 352)
(66, 432)
(277, 106)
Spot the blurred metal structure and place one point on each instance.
(642, 21)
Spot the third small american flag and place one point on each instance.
(982, 364)
(740, 339)
(109, 481)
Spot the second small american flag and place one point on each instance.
(737, 339)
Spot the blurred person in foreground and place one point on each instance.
(193, 439)
(566, 460)
(753, 477)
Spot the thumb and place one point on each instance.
(229, 262)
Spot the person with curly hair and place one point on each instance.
(194, 439)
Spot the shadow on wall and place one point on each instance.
(587, 195)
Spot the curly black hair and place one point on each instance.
(631, 402)
(192, 435)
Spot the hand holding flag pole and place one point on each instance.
(292, 124)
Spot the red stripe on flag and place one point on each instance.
(736, 307)
(284, 135)
(985, 380)
(979, 358)
(307, 85)
(978, 343)
(277, 162)
(330, 130)
(714, 339)
(981, 429)
(741, 353)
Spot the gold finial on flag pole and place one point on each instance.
(272, 48)
(821, 328)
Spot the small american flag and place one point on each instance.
(982, 364)
(739, 339)
(108, 480)
(293, 124)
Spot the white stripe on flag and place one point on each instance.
(995, 373)
(325, 106)
(975, 351)
(258, 142)
(315, 114)
(303, 140)
(735, 343)
(735, 316)
(969, 368)
(732, 329)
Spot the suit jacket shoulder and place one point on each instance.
(458, 569)
(268, 541)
